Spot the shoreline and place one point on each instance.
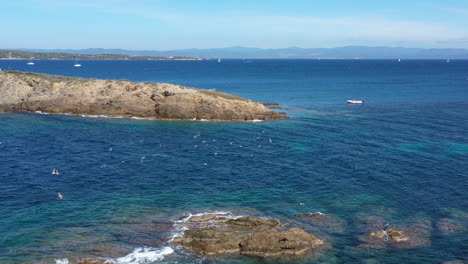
(137, 118)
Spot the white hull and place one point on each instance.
(30, 63)
(355, 101)
(77, 65)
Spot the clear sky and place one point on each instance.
(179, 24)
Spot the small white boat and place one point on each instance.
(355, 101)
(399, 60)
(219, 59)
(76, 63)
(30, 63)
(448, 60)
(55, 172)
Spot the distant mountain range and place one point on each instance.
(350, 52)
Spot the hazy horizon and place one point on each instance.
(170, 25)
(227, 47)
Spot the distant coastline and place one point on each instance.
(28, 55)
(348, 52)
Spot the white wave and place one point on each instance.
(142, 118)
(62, 261)
(42, 113)
(103, 116)
(144, 255)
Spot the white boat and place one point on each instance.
(76, 63)
(399, 60)
(448, 60)
(355, 101)
(219, 59)
(30, 62)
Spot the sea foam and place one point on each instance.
(145, 255)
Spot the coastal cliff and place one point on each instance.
(25, 91)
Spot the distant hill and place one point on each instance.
(350, 52)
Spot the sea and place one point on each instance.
(126, 183)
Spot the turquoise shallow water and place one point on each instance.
(402, 155)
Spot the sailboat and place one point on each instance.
(399, 60)
(30, 62)
(219, 59)
(76, 63)
(448, 60)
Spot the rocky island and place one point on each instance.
(218, 235)
(25, 91)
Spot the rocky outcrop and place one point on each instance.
(378, 235)
(22, 91)
(252, 236)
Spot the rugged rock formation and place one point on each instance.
(22, 91)
(248, 235)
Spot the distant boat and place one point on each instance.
(399, 60)
(355, 101)
(219, 59)
(76, 63)
(30, 62)
(448, 60)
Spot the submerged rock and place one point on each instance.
(455, 222)
(252, 236)
(456, 261)
(325, 221)
(23, 91)
(447, 225)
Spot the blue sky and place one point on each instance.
(179, 24)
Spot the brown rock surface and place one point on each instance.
(292, 242)
(253, 236)
(22, 91)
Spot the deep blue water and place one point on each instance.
(403, 155)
